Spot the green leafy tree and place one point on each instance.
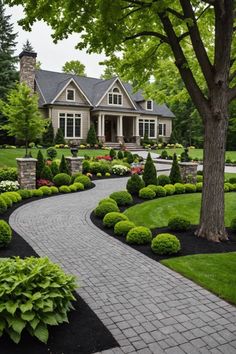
(63, 168)
(48, 135)
(92, 136)
(149, 173)
(27, 47)
(24, 120)
(196, 35)
(59, 138)
(74, 67)
(40, 164)
(175, 176)
(108, 73)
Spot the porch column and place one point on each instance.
(99, 125)
(101, 128)
(137, 136)
(120, 137)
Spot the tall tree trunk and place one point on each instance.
(211, 224)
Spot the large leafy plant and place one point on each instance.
(34, 294)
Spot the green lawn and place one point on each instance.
(8, 156)
(215, 272)
(196, 153)
(229, 175)
(156, 213)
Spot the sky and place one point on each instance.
(53, 56)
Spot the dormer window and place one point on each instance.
(115, 97)
(149, 105)
(70, 95)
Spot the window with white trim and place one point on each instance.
(115, 97)
(149, 105)
(70, 124)
(162, 129)
(70, 95)
(147, 127)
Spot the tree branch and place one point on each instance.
(148, 33)
(175, 13)
(232, 76)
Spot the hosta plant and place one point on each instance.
(34, 294)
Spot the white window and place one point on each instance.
(70, 95)
(70, 124)
(149, 105)
(147, 127)
(115, 97)
(162, 129)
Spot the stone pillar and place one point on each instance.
(26, 172)
(74, 164)
(27, 68)
(120, 136)
(188, 171)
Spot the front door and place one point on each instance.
(108, 128)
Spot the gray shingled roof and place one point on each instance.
(51, 83)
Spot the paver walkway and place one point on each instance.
(147, 307)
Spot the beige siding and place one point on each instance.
(168, 122)
(126, 101)
(79, 98)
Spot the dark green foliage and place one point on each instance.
(112, 153)
(120, 155)
(164, 155)
(105, 208)
(165, 244)
(122, 198)
(110, 219)
(8, 174)
(147, 193)
(54, 168)
(92, 136)
(185, 156)
(139, 235)
(47, 173)
(59, 138)
(134, 184)
(5, 233)
(40, 164)
(63, 168)
(175, 176)
(48, 136)
(122, 227)
(162, 180)
(149, 173)
(27, 47)
(86, 166)
(3, 205)
(130, 158)
(233, 224)
(25, 193)
(179, 223)
(52, 153)
(232, 180)
(62, 179)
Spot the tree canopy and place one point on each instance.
(74, 67)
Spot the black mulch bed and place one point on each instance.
(84, 333)
(190, 244)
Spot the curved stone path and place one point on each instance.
(147, 307)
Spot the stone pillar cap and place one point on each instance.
(26, 159)
(188, 163)
(74, 158)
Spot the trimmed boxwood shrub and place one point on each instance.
(230, 185)
(134, 184)
(199, 178)
(105, 208)
(5, 233)
(190, 188)
(160, 191)
(110, 219)
(37, 193)
(233, 224)
(3, 205)
(35, 293)
(179, 223)
(54, 190)
(162, 180)
(139, 235)
(170, 189)
(72, 188)
(226, 188)
(25, 193)
(179, 188)
(122, 227)
(232, 180)
(147, 193)
(109, 200)
(64, 189)
(85, 180)
(199, 186)
(122, 198)
(46, 190)
(165, 244)
(153, 187)
(149, 172)
(76, 174)
(62, 179)
(7, 200)
(79, 186)
(14, 196)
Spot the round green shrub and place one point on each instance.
(122, 198)
(25, 193)
(147, 193)
(179, 223)
(190, 188)
(37, 193)
(122, 227)
(160, 191)
(110, 219)
(109, 200)
(62, 179)
(232, 180)
(5, 233)
(230, 185)
(14, 196)
(7, 200)
(199, 186)
(226, 188)
(105, 208)
(46, 190)
(52, 152)
(199, 178)
(139, 235)
(134, 184)
(86, 166)
(165, 244)
(54, 190)
(85, 180)
(79, 186)
(233, 224)
(153, 187)
(179, 188)
(170, 189)
(107, 174)
(72, 188)
(234, 186)
(162, 180)
(76, 174)
(64, 189)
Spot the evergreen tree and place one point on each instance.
(40, 164)
(59, 138)
(27, 47)
(134, 184)
(47, 173)
(8, 73)
(48, 136)
(92, 137)
(149, 173)
(54, 168)
(175, 176)
(63, 168)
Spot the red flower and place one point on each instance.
(44, 182)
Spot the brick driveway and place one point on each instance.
(147, 307)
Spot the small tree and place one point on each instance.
(54, 168)
(27, 46)
(175, 176)
(48, 136)
(40, 164)
(149, 173)
(112, 153)
(74, 67)
(63, 168)
(92, 137)
(47, 173)
(59, 138)
(24, 120)
(134, 184)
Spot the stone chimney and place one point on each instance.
(27, 68)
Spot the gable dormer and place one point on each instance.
(71, 93)
(147, 105)
(115, 97)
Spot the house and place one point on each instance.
(74, 102)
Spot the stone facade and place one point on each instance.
(188, 169)
(27, 68)
(74, 164)
(26, 172)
